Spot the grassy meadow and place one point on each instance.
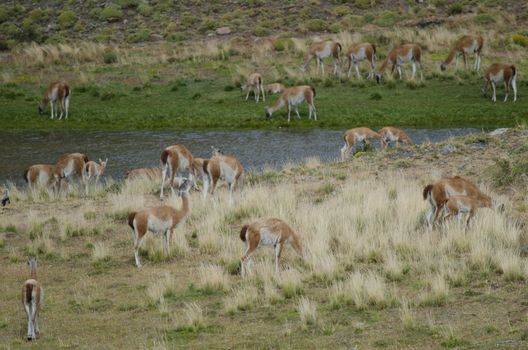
(373, 276)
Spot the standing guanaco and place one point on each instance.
(57, 92)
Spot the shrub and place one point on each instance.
(111, 12)
(455, 9)
(260, 31)
(353, 21)
(365, 4)
(316, 25)
(484, 18)
(139, 36)
(375, 96)
(207, 24)
(38, 15)
(176, 36)
(67, 18)
(282, 44)
(335, 28)
(520, 39)
(144, 9)
(109, 57)
(128, 3)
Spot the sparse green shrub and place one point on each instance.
(4, 13)
(260, 31)
(282, 44)
(365, 4)
(109, 57)
(38, 15)
(352, 21)
(144, 9)
(111, 12)
(141, 35)
(484, 18)
(316, 25)
(335, 28)
(207, 24)
(177, 36)
(455, 9)
(520, 39)
(128, 3)
(67, 18)
(78, 27)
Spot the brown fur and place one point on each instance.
(492, 77)
(172, 159)
(317, 51)
(139, 221)
(399, 135)
(32, 298)
(63, 92)
(277, 228)
(78, 160)
(402, 52)
(288, 98)
(352, 136)
(353, 52)
(274, 88)
(255, 83)
(243, 232)
(460, 46)
(32, 175)
(214, 170)
(439, 192)
(455, 205)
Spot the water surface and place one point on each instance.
(136, 149)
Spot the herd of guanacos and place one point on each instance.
(448, 197)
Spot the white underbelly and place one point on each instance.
(156, 225)
(43, 178)
(68, 169)
(227, 173)
(325, 52)
(267, 238)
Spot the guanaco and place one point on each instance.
(465, 45)
(496, 73)
(293, 97)
(319, 51)
(57, 92)
(408, 53)
(354, 136)
(32, 299)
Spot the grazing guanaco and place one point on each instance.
(438, 193)
(152, 174)
(465, 45)
(457, 205)
(358, 53)
(267, 232)
(93, 170)
(32, 299)
(70, 165)
(319, 51)
(57, 92)
(293, 97)
(355, 136)
(175, 159)
(391, 134)
(496, 73)
(408, 53)
(254, 83)
(41, 175)
(159, 220)
(223, 167)
(275, 88)
(5, 198)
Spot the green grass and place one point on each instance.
(207, 104)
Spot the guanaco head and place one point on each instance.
(268, 113)
(243, 87)
(184, 188)
(103, 163)
(5, 198)
(379, 78)
(443, 66)
(216, 151)
(32, 263)
(42, 106)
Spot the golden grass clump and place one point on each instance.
(192, 319)
(212, 278)
(241, 299)
(161, 287)
(100, 251)
(307, 310)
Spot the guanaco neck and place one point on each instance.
(384, 64)
(450, 56)
(277, 105)
(33, 271)
(185, 204)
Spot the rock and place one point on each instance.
(223, 31)
(498, 131)
(448, 149)
(155, 37)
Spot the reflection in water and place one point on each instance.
(137, 149)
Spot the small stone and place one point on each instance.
(448, 149)
(498, 131)
(223, 31)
